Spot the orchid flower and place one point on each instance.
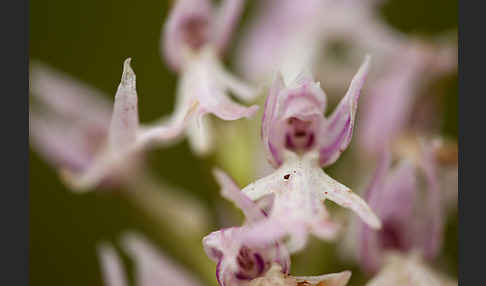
(398, 90)
(288, 35)
(74, 128)
(412, 221)
(194, 36)
(299, 141)
(237, 263)
(152, 268)
(70, 127)
(87, 162)
(405, 270)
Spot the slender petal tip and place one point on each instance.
(128, 79)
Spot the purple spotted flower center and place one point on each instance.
(251, 264)
(300, 135)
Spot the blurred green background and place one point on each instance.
(89, 40)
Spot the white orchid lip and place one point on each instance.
(299, 187)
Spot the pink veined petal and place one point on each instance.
(339, 129)
(124, 122)
(343, 196)
(111, 266)
(153, 268)
(270, 109)
(232, 192)
(225, 21)
(333, 279)
(67, 96)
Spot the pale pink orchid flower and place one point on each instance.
(152, 268)
(242, 265)
(238, 264)
(394, 96)
(299, 140)
(79, 137)
(194, 37)
(320, 35)
(410, 210)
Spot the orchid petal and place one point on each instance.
(200, 134)
(226, 19)
(200, 81)
(339, 130)
(152, 267)
(232, 192)
(266, 232)
(229, 110)
(124, 123)
(168, 131)
(59, 144)
(433, 222)
(270, 109)
(397, 91)
(101, 167)
(343, 196)
(67, 96)
(262, 187)
(369, 249)
(239, 88)
(111, 266)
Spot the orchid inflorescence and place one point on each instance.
(96, 146)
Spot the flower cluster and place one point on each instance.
(286, 53)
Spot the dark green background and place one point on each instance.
(90, 39)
